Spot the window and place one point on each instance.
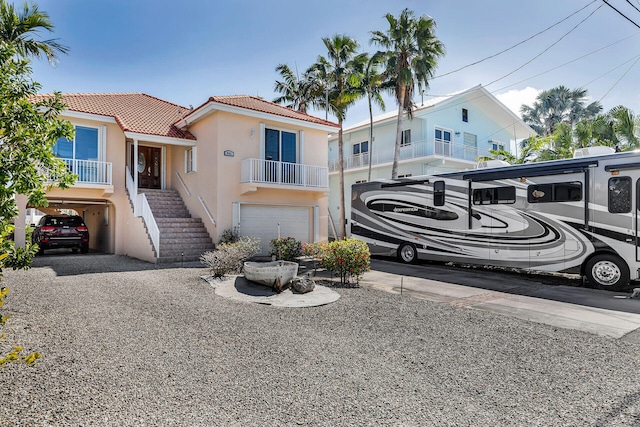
(360, 148)
(558, 192)
(280, 146)
(406, 175)
(465, 115)
(443, 142)
(438, 193)
(493, 196)
(620, 194)
(84, 146)
(190, 160)
(360, 181)
(497, 146)
(406, 137)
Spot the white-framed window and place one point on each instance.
(406, 137)
(190, 160)
(86, 144)
(497, 146)
(443, 141)
(361, 148)
(281, 145)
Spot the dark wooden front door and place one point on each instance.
(149, 167)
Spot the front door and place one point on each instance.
(149, 167)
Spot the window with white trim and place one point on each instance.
(190, 160)
(84, 146)
(497, 146)
(406, 137)
(361, 148)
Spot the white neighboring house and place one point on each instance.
(446, 134)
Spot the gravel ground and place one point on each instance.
(126, 343)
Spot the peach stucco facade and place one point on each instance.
(214, 156)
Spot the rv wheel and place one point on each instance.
(607, 272)
(407, 253)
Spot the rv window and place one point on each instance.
(620, 194)
(492, 196)
(438, 193)
(560, 192)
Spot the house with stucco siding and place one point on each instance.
(161, 182)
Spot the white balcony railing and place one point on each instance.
(284, 173)
(90, 171)
(433, 148)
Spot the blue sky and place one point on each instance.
(185, 51)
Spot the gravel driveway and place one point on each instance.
(126, 343)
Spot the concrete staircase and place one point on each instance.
(182, 238)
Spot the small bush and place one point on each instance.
(346, 258)
(229, 257)
(286, 248)
(230, 235)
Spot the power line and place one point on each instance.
(546, 49)
(632, 5)
(517, 44)
(621, 77)
(622, 14)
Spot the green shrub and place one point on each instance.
(230, 235)
(286, 248)
(347, 258)
(229, 257)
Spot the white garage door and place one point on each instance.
(262, 222)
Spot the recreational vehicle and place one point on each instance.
(577, 215)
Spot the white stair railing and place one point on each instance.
(141, 208)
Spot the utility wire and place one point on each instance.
(621, 77)
(632, 5)
(515, 45)
(625, 16)
(545, 50)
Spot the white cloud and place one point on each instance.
(515, 98)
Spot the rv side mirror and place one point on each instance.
(438, 193)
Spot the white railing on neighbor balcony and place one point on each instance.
(90, 171)
(284, 173)
(433, 148)
(141, 208)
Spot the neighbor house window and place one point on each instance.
(497, 146)
(406, 137)
(443, 141)
(361, 148)
(190, 160)
(465, 115)
(84, 146)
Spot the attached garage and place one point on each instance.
(268, 222)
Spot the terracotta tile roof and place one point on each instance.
(134, 112)
(258, 104)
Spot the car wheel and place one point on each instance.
(607, 271)
(407, 253)
(84, 249)
(40, 249)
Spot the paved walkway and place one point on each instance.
(600, 312)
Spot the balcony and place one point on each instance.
(259, 172)
(436, 149)
(90, 171)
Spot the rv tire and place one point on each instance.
(607, 271)
(407, 253)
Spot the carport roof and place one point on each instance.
(134, 112)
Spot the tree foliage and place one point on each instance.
(29, 126)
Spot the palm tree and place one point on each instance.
(296, 93)
(339, 71)
(18, 29)
(558, 105)
(371, 85)
(411, 54)
(626, 126)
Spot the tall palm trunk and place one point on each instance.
(343, 225)
(370, 153)
(396, 153)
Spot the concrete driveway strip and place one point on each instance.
(538, 305)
